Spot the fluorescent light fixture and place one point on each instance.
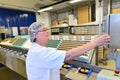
(74, 1)
(45, 9)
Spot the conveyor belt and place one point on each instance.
(69, 44)
(8, 41)
(20, 42)
(54, 43)
(12, 40)
(82, 64)
(11, 56)
(5, 40)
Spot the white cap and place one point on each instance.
(33, 29)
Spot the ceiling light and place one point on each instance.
(74, 1)
(45, 9)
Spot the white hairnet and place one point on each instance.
(33, 29)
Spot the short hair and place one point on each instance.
(33, 29)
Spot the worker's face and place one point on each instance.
(43, 33)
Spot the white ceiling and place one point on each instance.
(34, 5)
(30, 5)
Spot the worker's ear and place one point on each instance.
(34, 40)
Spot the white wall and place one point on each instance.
(99, 12)
(99, 15)
(44, 17)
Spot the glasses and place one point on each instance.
(43, 30)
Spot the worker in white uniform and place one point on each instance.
(44, 63)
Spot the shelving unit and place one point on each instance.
(86, 29)
(83, 29)
(60, 30)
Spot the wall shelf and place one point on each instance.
(82, 29)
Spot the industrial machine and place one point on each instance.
(13, 52)
(112, 27)
(13, 55)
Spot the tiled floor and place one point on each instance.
(7, 74)
(110, 64)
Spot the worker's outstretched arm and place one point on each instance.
(80, 50)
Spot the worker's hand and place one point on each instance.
(102, 40)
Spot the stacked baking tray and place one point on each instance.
(68, 44)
